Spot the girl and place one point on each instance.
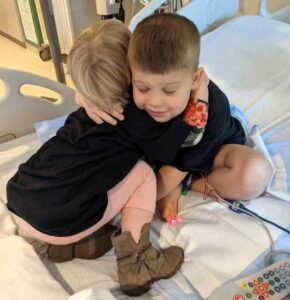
(85, 175)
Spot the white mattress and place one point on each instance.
(218, 244)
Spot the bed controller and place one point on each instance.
(271, 283)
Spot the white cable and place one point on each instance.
(269, 258)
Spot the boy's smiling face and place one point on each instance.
(163, 96)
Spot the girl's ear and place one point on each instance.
(196, 78)
(79, 99)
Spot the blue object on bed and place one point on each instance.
(48, 128)
(238, 114)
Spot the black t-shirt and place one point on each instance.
(62, 189)
(221, 129)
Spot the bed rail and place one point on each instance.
(145, 12)
(206, 14)
(19, 112)
(209, 14)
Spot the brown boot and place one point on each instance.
(91, 247)
(141, 264)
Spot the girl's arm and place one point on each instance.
(98, 115)
(202, 91)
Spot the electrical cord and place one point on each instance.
(239, 208)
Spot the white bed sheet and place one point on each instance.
(218, 244)
(249, 59)
(252, 67)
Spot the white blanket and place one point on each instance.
(249, 58)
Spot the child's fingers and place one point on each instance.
(106, 117)
(96, 118)
(118, 112)
(119, 108)
(118, 115)
(167, 213)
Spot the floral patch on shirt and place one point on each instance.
(195, 115)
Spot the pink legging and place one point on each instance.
(136, 190)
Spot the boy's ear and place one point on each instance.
(196, 78)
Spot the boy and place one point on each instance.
(164, 57)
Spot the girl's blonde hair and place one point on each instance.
(98, 65)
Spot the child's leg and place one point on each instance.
(239, 173)
(136, 192)
(168, 206)
(139, 263)
(140, 192)
(133, 220)
(118, 197)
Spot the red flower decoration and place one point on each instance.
(195, 113)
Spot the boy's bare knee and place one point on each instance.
(255, 176)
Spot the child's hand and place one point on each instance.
(98, 115)
(168, 206)
(202, 91)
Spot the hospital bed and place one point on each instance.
(249, 58)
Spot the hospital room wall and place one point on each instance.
(252, 6)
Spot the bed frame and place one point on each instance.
(26, 110)
(209, 14)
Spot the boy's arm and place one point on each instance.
(168, 178)
(98, 115)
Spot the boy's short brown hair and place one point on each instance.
(164, 43)
(98, 65)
